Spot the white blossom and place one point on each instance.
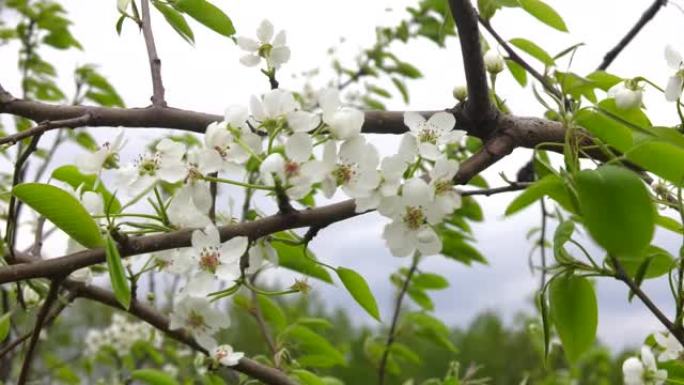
(441, 181)
(229, 143)
(430, 134)
(627, 94)
(274, 50)
(412, 215)
(226, 356)
(673, 90)
(643, 371)
(344, 122)
(354, 168)
(672, 348)
(213, 260)
(297, 171)
(196, 315)
(166, 164)
(107, 156)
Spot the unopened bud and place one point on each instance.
(494, 63)
(460, 93)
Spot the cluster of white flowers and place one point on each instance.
(120, 336)
(292, 152)
(643, 370)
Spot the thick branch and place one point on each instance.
(150, 315)
(643, 20)
(155, 62)
(479, 108)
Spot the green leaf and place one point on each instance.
(408, 70)
(617, 209)
(533, 50)
(292, 257)
(604, 80)
(518, 72)
(608, 130)
(661, 158)
(421, 298)
(562, 235)
(272, 312)
(574, 312)
(455, 247)
(487, 8)
(544, 13)
(316, 350)
(5, 321)
(661, 262)
(176, 21)
(63, 210)
(207, 14)
(430, 281)
(550, 185)
(305, 377)
(71, 175)
(153, 377)
(401, 86)
(358, 288)
(117, 273)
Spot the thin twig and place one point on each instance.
(47, 125)
(40, 319)
(542, 244)
(155, 62)
(516, 58)
(643, 20)
(395, 319)
(516, 186)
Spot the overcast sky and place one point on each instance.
(207, 77)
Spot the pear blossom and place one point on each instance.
(190, 206)
(672, 348)
(441, 181)
(298, 172)
(354, 167)
(174, 261)
(392, 169)
(164, 164)
(31, 297)
(430, 134)
(344, 122)
(494, 62)
(196, 315)
(673, 90)
(107, 156)
(226, 356)
(272, 49)
(627, 94)
(213, 260)
(460, 93)
(221, 150)
(643, 371)
(261, 252)
(412, 215)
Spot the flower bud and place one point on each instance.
(460, 93)
(494, 63)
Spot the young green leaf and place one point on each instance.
(62, 209)
(153, 377)
(533, 50)
(518, 72)
(574, 312)
(176, 21)
(550, 185)
(71, 175)
(544, 13)
(358, 288)
(5, 325)
(207, 14)
(117, 273)
(661, 158)
(430, 281)
(292, 257)
(617, 209)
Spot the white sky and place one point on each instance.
(208, 77)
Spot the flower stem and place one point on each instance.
(236, 183)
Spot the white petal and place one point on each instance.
(280, 39)
(298, 147)
(92, 202)
(279, 55)
(233, 249)
(201, 196)
(352, 150)
(248, 44)
(329, 100)
(673, 57)
(171, 149)
(408, 148)
(443, 120)
(674, 88)
(172, 172)
(265, 31)
(413, 119)
(250, 60)
(633, 371)
(416, 192)
(257, 108)
(428, 241)
(236, 115)
(302, 121)
(207, 237)
(429, 151)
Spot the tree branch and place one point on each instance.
(40, 319)
(643, 20)
(153, 317)
(478, 106)
(47, 125)
(155, 62)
